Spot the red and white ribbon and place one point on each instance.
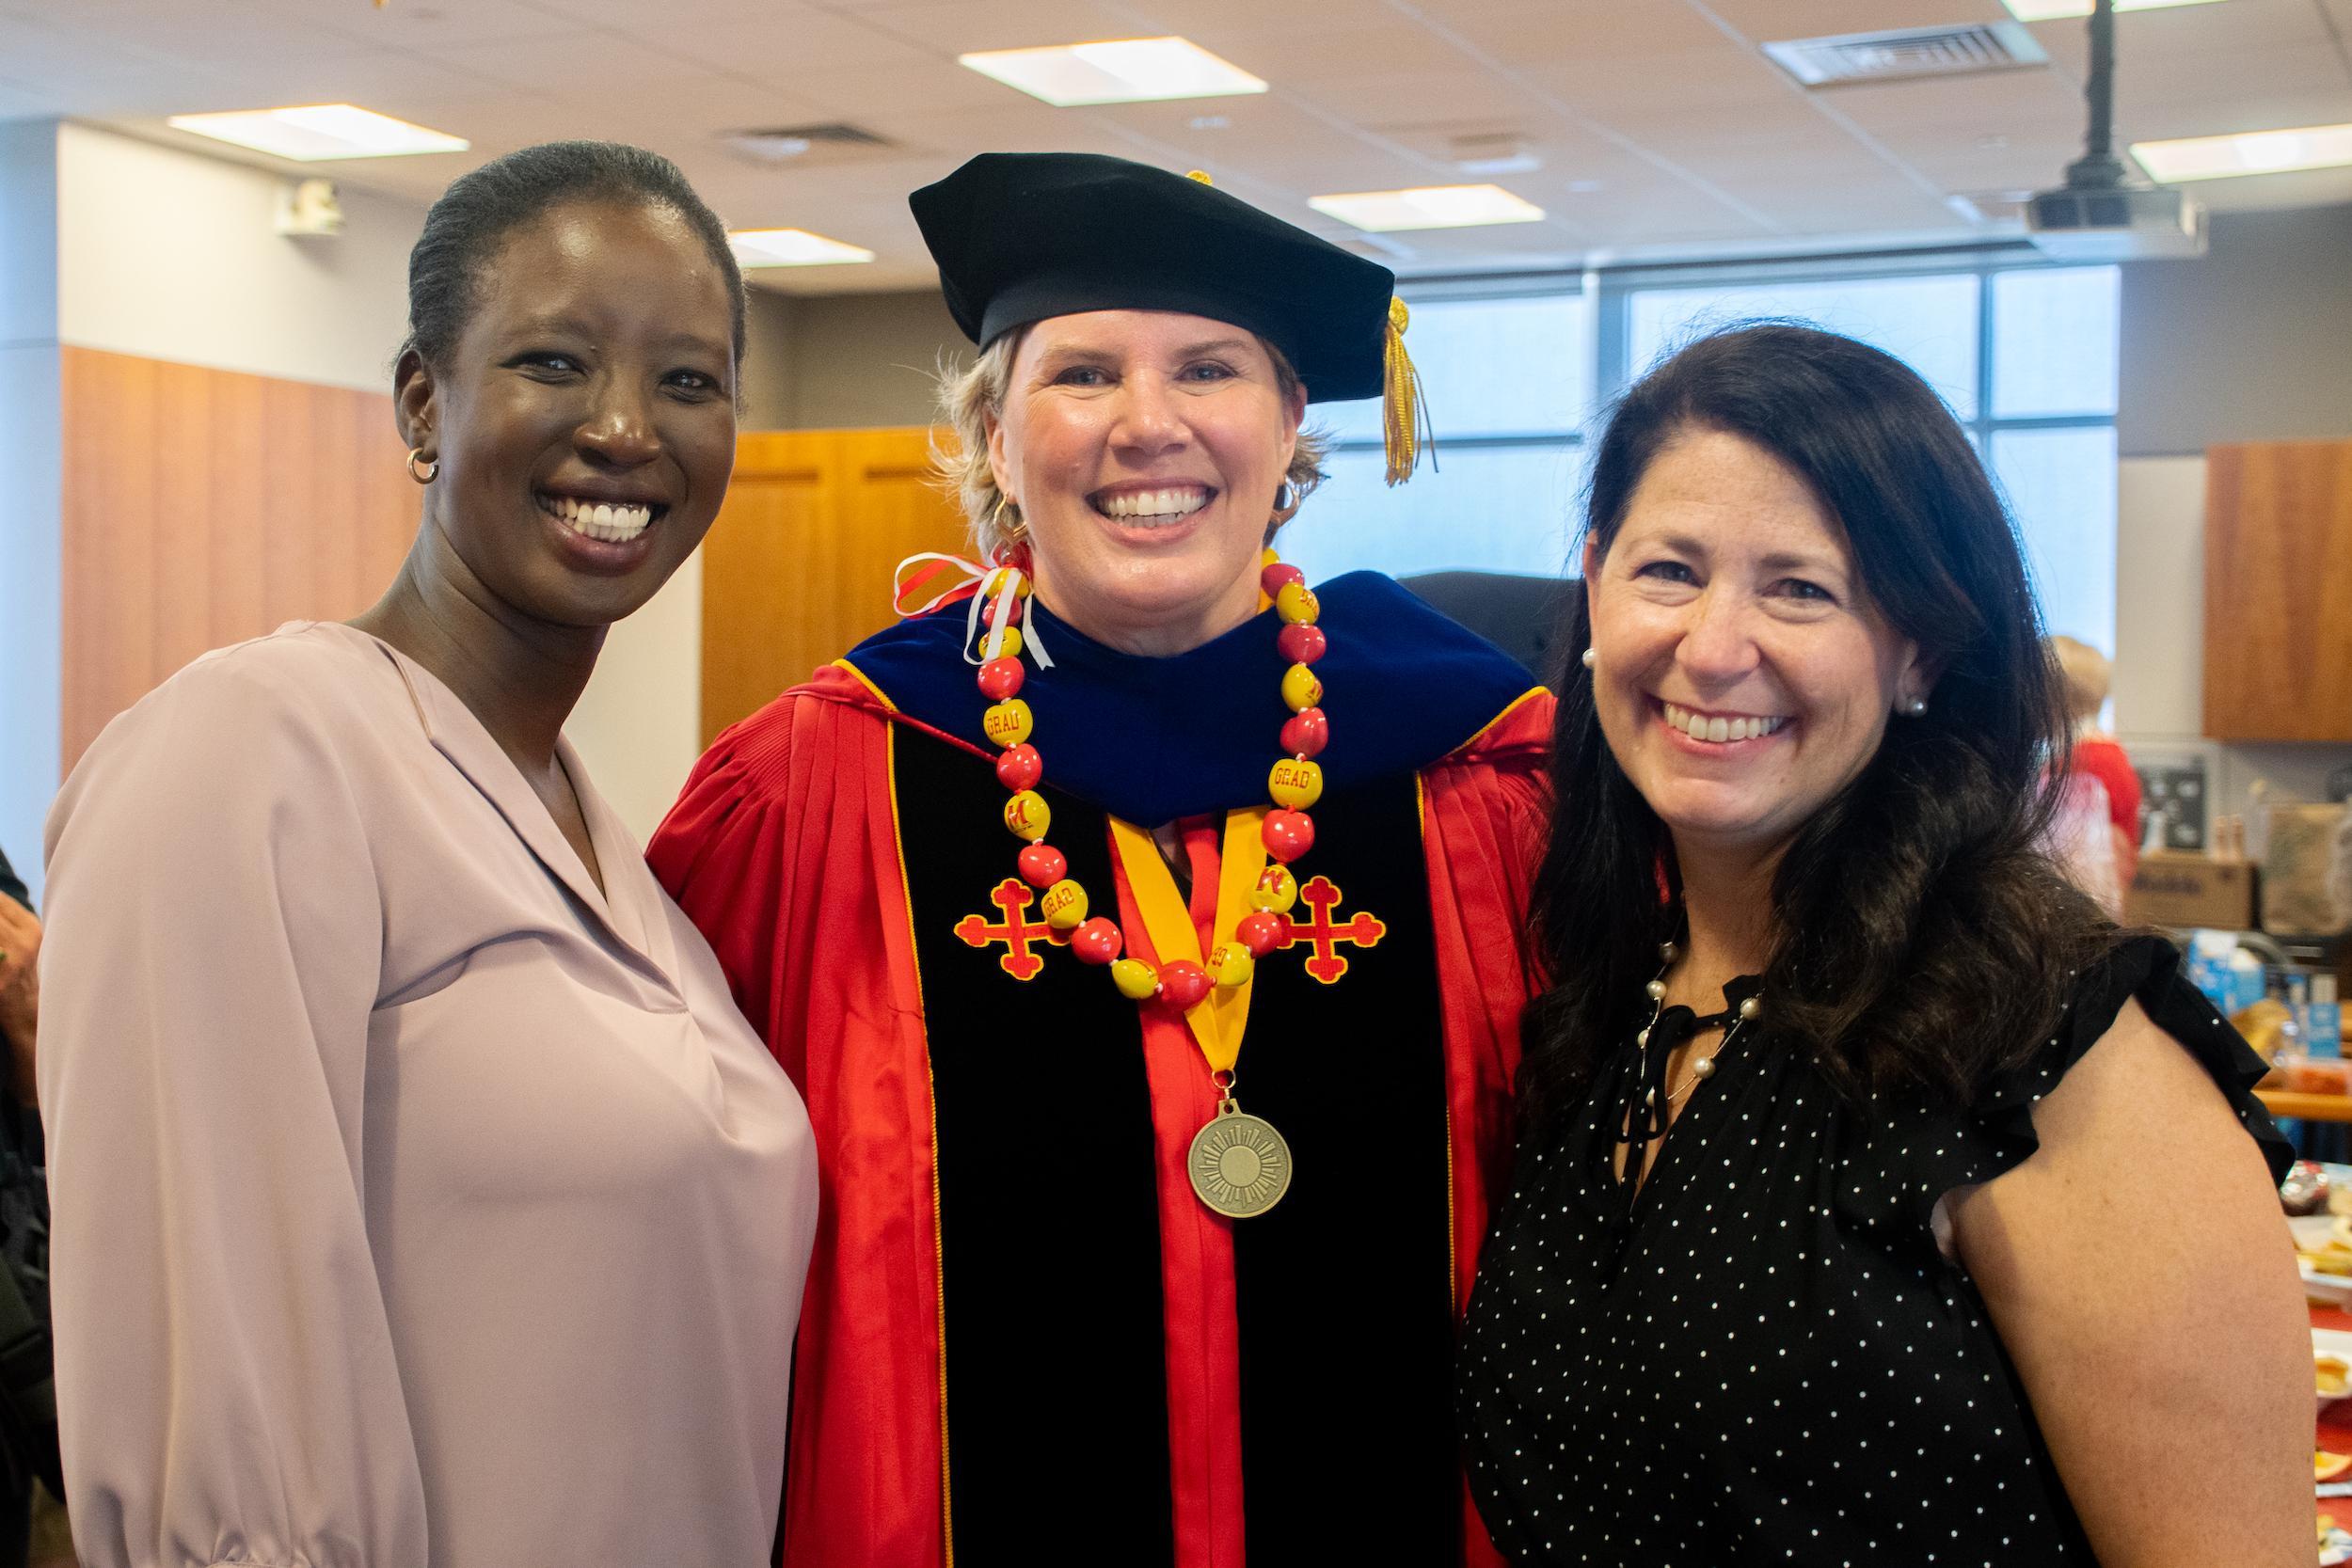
(971, 574)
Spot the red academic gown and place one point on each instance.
(785, 849)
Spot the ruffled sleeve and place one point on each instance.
(2146, 968)
(1908, 1157)
(226, 1386)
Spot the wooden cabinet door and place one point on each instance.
(797, 569)
(2279, 590)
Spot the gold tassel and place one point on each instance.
(1404, 407)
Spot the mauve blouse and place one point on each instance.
(415, 1201)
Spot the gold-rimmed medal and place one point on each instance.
(1240, 1165)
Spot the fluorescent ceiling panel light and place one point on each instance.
(2058, 11)
(317, 131)
(2247, 152)
(1125, 71)
(1428, 207)
(791, 247)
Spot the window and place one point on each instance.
(2024, 353)
(1506, 378)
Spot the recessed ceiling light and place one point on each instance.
(1427, 207)
(2246, 153)
(1124, 71)
(791, 247)
(315, 132)
(2058, 11)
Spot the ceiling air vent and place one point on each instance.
(1828, 62)
(805, 144)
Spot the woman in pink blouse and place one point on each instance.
(420, 1198)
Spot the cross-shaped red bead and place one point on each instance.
(1362, 930)
(1012, 895)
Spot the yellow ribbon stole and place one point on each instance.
(1218, 1019)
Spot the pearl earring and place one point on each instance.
(1591, 659)
(1917, 707)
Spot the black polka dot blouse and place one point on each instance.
(1766, 1358)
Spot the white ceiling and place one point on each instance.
(1661, 128)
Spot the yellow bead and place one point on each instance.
(1027, 814)
(995, 584)
(1135, 979)
(1268, 557)
(1301, 689)
(1009, 723)
(1295, 604)
(1296, 783)
(1011, 648)
(1064, 906)
(1230, 965)
(1277, 890)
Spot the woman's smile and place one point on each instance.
(1152, 505)
(1707, 733)
(607, 535)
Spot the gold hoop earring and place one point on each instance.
(432, 466)
(1009, 532)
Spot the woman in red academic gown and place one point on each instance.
(1151, 970)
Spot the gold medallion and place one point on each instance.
(1240, 1165)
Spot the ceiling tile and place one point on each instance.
(435, 23)
(1655, 123)
(1513, 30)
(1767, 20)
(788, 43)
(963, 26)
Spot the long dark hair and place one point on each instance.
(1921, 936)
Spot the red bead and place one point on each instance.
(1182, 984)
(1273, 576)
(1097, 942)
(1300, 645)
(1001, 678)
(1042, 866)
(1306, 733)
(1011, 613)
(1019, 767)
(1262, 932)
(1288, 834)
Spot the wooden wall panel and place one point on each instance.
(797, 569)
(2279, 590)
(204, 507)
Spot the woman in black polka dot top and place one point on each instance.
(1876, 1200)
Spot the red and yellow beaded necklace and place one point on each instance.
(1239, 1164)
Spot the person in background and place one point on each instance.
(422, 1197)
(2096, 754)
(1845, 1116)
(1160, 1064)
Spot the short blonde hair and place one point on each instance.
(972, 395)
(2087, 674)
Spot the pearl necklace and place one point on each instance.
(1642, 1120)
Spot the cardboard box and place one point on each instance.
(2180, 889)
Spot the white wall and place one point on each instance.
(638, 725)
(31, 595)
(170, 255)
